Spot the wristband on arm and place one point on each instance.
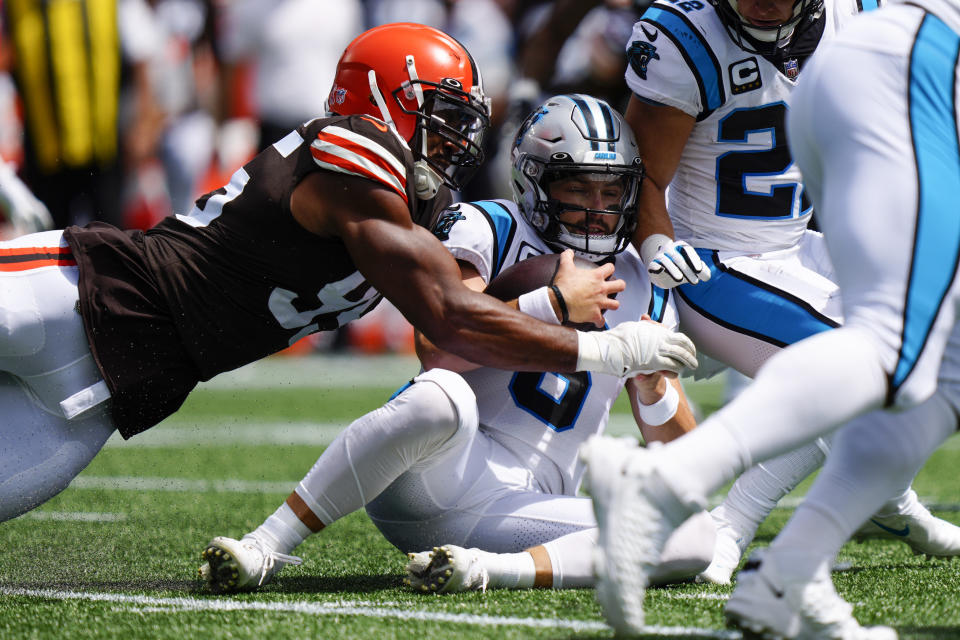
(662, 410)
(536, 304)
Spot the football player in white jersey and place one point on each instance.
(474, 457)
(885, 187)
(724, 216)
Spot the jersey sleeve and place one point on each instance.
(671, 63)
(362, 146)
(464, 232)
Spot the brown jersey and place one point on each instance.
(234, 280)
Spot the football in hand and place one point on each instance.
(533, 273)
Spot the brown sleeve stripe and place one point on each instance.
(25, 258)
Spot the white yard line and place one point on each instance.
(330, 371)
(256, 432)
(133, 483)
(232, 432)
(147, 604)
(75, 516)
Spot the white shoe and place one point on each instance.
(241, 565)
(731, 544)
(916, 527)
(635, 514)
(766, 605)
(446, 569)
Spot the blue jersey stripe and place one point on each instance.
(933, 121)
(695, 50)
(658, 303)
(761, 311)
(503, 227)
(868, 5)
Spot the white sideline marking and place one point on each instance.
(75, 516)
(150, 604)
(319, 371)
(131, 483)
(204, 434)
(237, 432)
(658, 593)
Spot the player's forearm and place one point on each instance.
(433, 357)
(653, 217)
(489, 333)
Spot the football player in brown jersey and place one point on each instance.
(104, 329)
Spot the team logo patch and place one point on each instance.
(640, 54)
(445, 222)
(744, 76)
(531, 120)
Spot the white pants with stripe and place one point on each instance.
(886, 188)
(46, 374)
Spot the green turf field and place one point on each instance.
(115, 555)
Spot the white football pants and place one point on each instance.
(55, 418)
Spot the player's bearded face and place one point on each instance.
(582, 196)
(766, 13)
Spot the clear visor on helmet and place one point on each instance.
(452, 125)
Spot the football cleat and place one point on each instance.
(731, 544)
(915, 526)
(240, 565)
(636, 513)
(446, 569)
(765, 605)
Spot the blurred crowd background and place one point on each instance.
(126, 111)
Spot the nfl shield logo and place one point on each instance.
(791, 68)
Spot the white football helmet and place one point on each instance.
(576, 135)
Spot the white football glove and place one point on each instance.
(635, 347)
(671, 263)
(18, 205)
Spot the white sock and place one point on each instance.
(282, 531)
(509, 570)
(755, 493)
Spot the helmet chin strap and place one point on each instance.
(426, 181)
(378, 98)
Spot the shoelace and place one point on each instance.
(270, 558)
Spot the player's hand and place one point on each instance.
(24, 212)
(585, 290)
(636, 347)
(671, 263)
